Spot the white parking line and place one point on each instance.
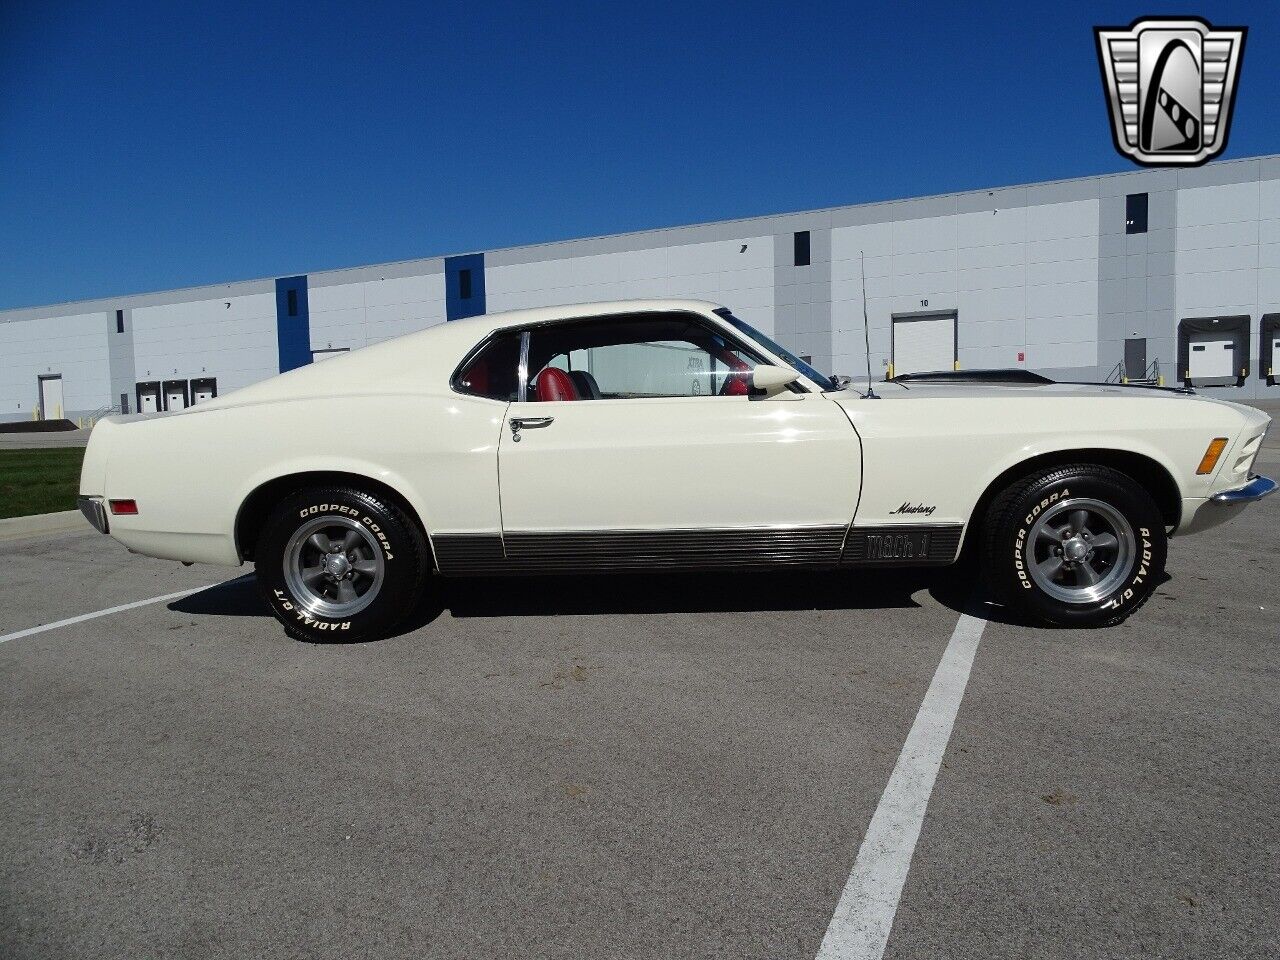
(31, 631)
(864, 916)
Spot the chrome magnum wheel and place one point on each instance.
(340, 564)
(1079, 545)
(1080, 550)
(334, 566)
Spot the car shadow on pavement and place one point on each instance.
(232, 598)
(685, 592)
(609, 594)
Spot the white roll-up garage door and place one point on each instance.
(925, 343)
(1212, 358)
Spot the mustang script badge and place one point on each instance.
(1170, 84)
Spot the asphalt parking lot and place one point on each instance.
(644, 767)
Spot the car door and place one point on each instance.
(635, 437)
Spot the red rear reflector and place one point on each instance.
(127, 507)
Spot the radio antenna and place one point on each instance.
(866, 326)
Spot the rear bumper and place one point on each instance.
(94, 511)
(1255, 489)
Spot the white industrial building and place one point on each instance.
(1088, 279)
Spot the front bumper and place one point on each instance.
(1257, 488)
(94, 511)
(1200, 515)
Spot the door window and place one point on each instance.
(616, 358)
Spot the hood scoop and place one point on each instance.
(1012, 375)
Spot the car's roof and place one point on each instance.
(566, 311)
(430, 354)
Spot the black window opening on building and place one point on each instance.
(124, 403)
(464, 284)
(292, 303)
(802, 248)
(119, 321)
(1269, 334)
(1135, 213)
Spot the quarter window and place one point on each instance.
(494, 371)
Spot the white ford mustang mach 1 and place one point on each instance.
(663, 434)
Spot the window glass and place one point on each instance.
(802, 248)
(821, 379)
(615, 358)
(494, 371)
(1135, 213)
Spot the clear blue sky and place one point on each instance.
(148, 145)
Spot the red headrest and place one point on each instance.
(554, 384)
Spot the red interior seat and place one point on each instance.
(554, 384)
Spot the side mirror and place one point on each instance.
(772, 380)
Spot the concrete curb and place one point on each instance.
(45, 441)
(19, 528)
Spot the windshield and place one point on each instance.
(821, 379)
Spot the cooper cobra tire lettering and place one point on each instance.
(1020, 543)
(328, 508)
(382, 537)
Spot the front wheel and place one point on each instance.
(1081, 545)
(340, 564)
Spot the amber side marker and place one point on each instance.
(1210, 458)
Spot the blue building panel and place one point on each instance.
(464, 286)
(293, 323)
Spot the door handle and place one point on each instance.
(528, 423)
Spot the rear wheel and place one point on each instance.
(1081, 545)
(340, 564)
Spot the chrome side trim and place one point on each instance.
(659, 549)
(94, 512)
(602, 551)
(1255, 489)
(607, 550)
(461, 554)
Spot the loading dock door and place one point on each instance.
(149, 398)
(202, 389)
(1213, 358)
(51, 397)
(175, 395)
(924, 343)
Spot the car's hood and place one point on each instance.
(960, 389)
